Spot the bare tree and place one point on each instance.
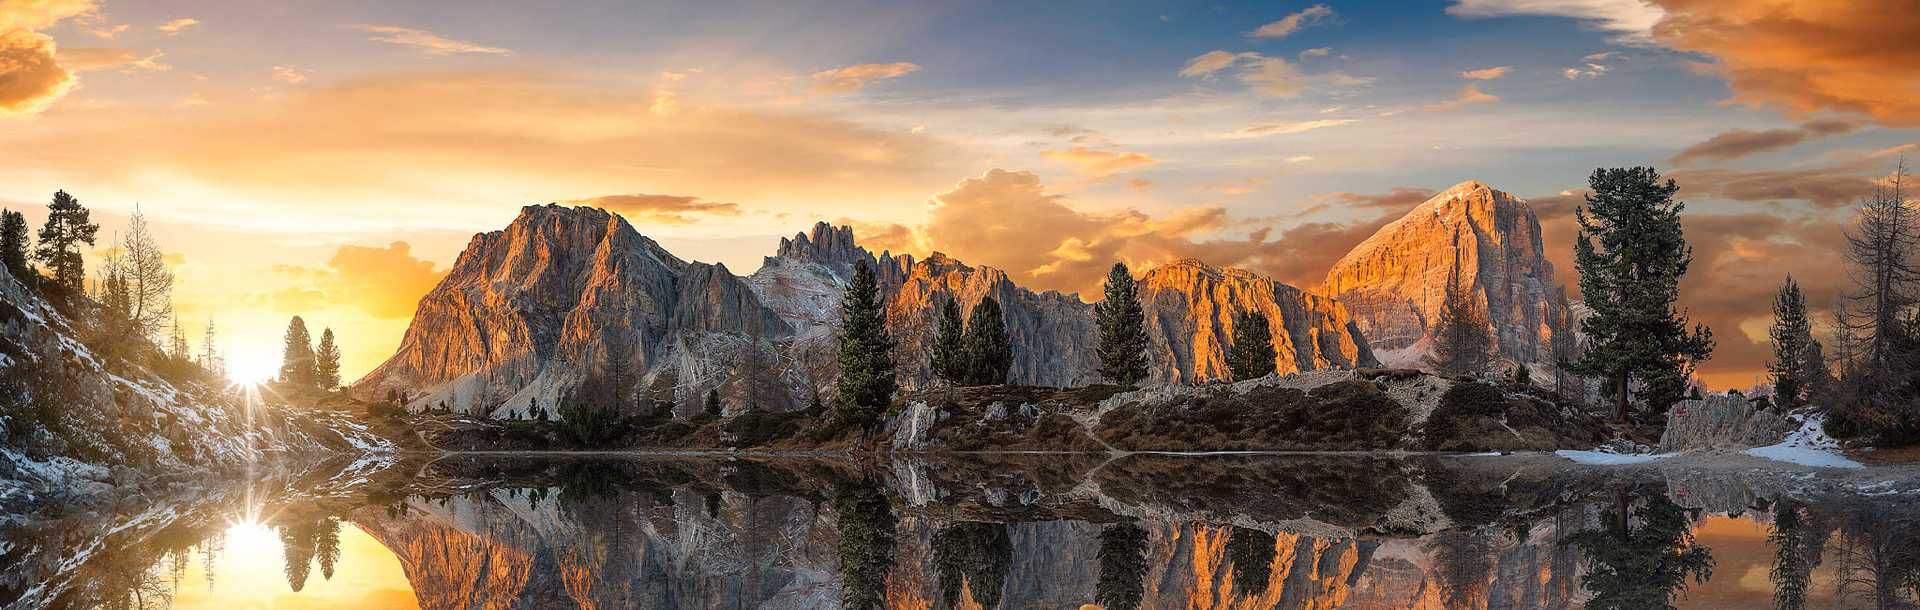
(149, 280)
(1880, 249)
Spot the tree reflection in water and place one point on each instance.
(866, 524)
(1644, 567)
(695, 532)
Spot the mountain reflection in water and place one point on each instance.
(1052, 531)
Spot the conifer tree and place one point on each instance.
(989, 353)
(866, 381)
(1792, 335)
(712, 406)
(1631, 253)
(1123, 566)
(1122, 344)
(949, 345)
(210, 353)
(13, 245)
(68, 226)
(297, 362)
(117, 328)
(1251, 355)
(326, 361)
(1462, 337)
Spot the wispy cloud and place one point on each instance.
(178, 25)
(1740, 142)
(1099, 163)
(1632, 21)
(426, 42)
(1277, 129)
(1487, 73)
(1469, 95)
(1269, 76)
(666, 209)
(1311, 16)
(92, 59)
(852, 78)
(292, 75)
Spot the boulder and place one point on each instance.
(1722, 422)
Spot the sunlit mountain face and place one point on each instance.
(794, 533)
(331, 160)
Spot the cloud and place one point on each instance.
(474, 140)
(1298, 159)
(426, 42)
(1316, 52)
(178, 25)
(1311, 16)
(1486, 73)
(1397, 200)
(107, 33)
(384, 282)
(1469, 95)
(667, 209)
(292, 75)
(91, 59)
(1270, 76)
(1098, 163)
(1276, 129)
(853, 78)
(1859, 56)
(1824, 188)
(1740, 142)
(31, 77)
(1237, 187)
(1632, 21)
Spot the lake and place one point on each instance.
(980, 531)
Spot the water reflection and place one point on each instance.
(1012, 532)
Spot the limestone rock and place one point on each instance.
(1395, 281)
(1722, 422)
(1190, 307)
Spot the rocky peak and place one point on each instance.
(824, 244)
(1396, 280)
(1190, 307)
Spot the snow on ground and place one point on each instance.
(1807, 446)
(1596, 458)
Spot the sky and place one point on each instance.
(331, 159)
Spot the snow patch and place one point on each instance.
(1807, 446)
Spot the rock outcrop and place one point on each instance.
(1052, 333)
(1190, 307)
(1722, 421)
(1395, 281)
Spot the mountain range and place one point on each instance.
(567, 294)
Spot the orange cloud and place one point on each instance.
(90, 59)
(1309, 17)
(1802, 57)
(1469, 94)
(1487, 73)
(1269, 76)
(1098, 163)
(669, 209)
(31, 76)
(1276, 129)
(178, 25)
(856, 77)
(384, 282)
(426, 42)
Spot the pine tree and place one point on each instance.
(1123, 567)
(866, 381)
(712, 405)
(1631, 253)
(1251, 355)
(949, 345)
(13, 245)
(1462, 337)
(326, 364)
(1123, 329)
(989, 353)
(210, 353)
(68, 226)
(297, 362)
(1522, 378)
(1792, 335)
(117, 329)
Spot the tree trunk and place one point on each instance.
(1621, 409)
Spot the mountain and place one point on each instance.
(1190, 307)
(564, 295)
(1396, 280)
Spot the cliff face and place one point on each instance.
(563, 294)
(1395, 281)
(1190, 308)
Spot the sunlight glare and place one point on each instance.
(250, 370)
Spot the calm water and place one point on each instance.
(1012, 532)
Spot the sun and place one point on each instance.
(250, 371)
